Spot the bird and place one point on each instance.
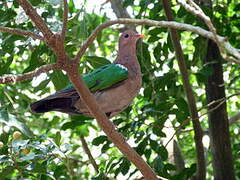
(114, 86)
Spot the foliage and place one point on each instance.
(52, 139)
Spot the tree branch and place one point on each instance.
(234, 118)
(106, 125)
(54, 41)
(198, 133)
(11, 78)
(65, 19)
(21, 32)
(88, 152)
(167, 24)
(196, 10)
(118, 9)
(38, 21)
(71, 67)
(121, 12)
(178, 158)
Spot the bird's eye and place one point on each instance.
(126, 35)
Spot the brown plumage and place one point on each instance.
(113, 99)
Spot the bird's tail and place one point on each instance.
(56, 104)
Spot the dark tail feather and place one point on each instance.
(58, 104)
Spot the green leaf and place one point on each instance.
(127, 3)
(4, 114)
(148, 92)
(162, 151)
(18, 143)
(5, 158)
(59, 170)
(42, 85)
(6, 171)
(155, 31)
(59, 79)
(157, 52)
(99, 140)
(4, 68)
(96, 61)
(40, 167)
(83, 130)
(57, 138)
(204, 73)
(7, 15)
(11, 121)
(105, 147)
(76, 121)
(158, 131)
(237, 7)
(148, 153)
(158, 164)
(182, 105)
(153, 39)
(154, 145)
(28, 157)
(142, 146)
(35, 2)
(125, 166)
(34, 61)
(100, 176)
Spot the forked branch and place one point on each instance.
(166, 24)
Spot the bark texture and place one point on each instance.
(218, 118)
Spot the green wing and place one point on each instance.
(104, 77)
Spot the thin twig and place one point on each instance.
(88, 152)
(11, 78)
(65, 19)
(220, 102)
(21, 32)
(167, 24)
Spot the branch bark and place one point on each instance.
(167, 24)
(121, 12)
(55, 41)
(54, 44)
(118, 9)
(201, 166)
(38, 21)
(192, 7)
(11, 78)
(58, 47)
(89, 154)
(106, 125)
(218, 120)
(178, 158)
(65, 19)
(21, 32)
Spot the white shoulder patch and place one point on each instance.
(122, 66)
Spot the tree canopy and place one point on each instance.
(171, 122)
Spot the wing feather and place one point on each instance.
(104, 77)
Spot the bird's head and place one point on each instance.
(129, 37)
